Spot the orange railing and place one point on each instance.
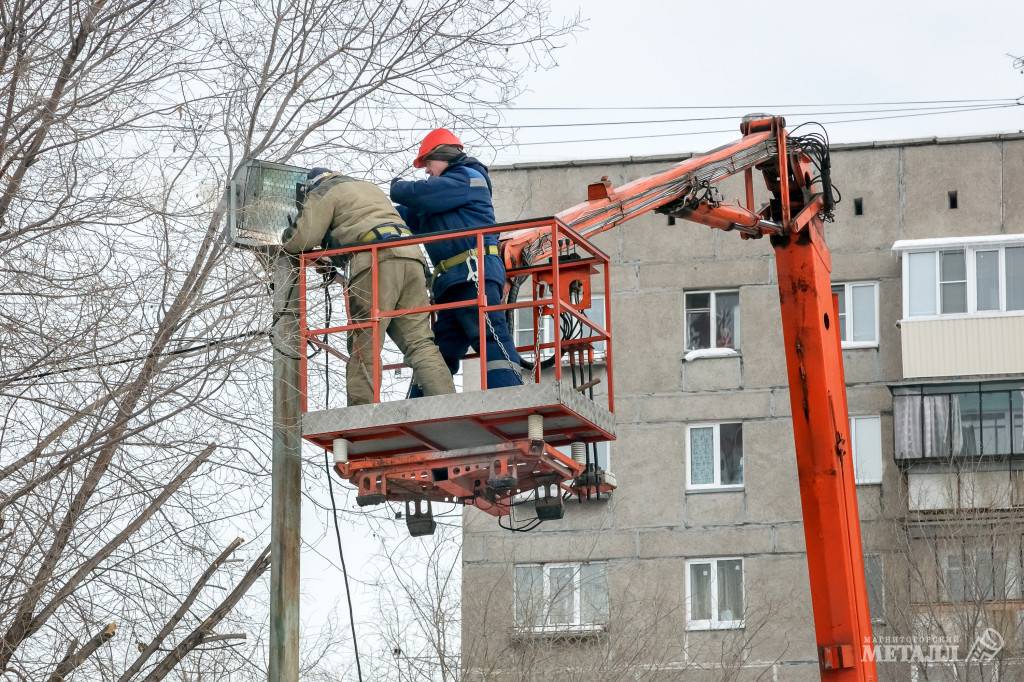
(579, 261)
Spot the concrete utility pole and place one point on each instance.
(286, 476)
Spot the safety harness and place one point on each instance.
(385, 231)
(460, 258)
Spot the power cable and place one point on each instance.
(731, 130)
(673, 107)
(649, 107)
(940, 111)
(138, 358)
(344, 569)
(585, 124)
(328, 305)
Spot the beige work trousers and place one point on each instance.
(401, 284)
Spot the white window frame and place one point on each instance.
(966, 281)
(972, 278)
(858, 477)
(970, 247)
(714, 623)
(717, 445)
(848, 313)
(577, 626)
(714, 350)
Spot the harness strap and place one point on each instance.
(460, 258)
(384, 231)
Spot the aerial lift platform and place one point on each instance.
(480, 448)
(483, 448)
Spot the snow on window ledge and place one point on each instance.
(567, 631)
(710, 353)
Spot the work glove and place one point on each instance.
(288, 231)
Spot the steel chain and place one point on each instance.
(474, 277)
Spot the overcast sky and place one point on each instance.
(750, 54)
(756, 54)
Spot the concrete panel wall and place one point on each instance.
(973, 171)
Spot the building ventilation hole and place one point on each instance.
(952, 198)
(858, 206)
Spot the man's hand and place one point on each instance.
(332, 275)
(288, 231)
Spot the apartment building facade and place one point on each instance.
(694, 568)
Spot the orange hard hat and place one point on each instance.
(432, 141)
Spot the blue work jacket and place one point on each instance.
(459, 198)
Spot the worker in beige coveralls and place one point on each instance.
(340, 210)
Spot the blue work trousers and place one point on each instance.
(458, 330)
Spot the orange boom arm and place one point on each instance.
(794, 219)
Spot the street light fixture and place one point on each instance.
(262, 196)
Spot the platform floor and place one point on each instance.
(461, 420)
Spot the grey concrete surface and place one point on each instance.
(449, 420)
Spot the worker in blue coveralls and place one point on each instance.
(457, 195)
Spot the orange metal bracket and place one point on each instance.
(486, 477)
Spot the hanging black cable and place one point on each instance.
(344, 569)
(212, 343)
(330, 486)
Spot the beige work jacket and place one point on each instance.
(340, 210)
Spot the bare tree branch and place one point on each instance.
(75, 658)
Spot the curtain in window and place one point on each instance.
(731, 444)
(1017, 416)
(700, 591)
(727, 320)
(966, 424)
(702, 455)
(930, 426)
(906, 410)
(730, 590)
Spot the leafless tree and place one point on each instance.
(954, 576)
(134, 359)
(430, 631)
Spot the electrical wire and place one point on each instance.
(344, 569)
(206, 345)
(816, 146)
(213, 343)
(730, 130)
(955, 106)
(330, 487)
(586, 124)
(752, 106)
